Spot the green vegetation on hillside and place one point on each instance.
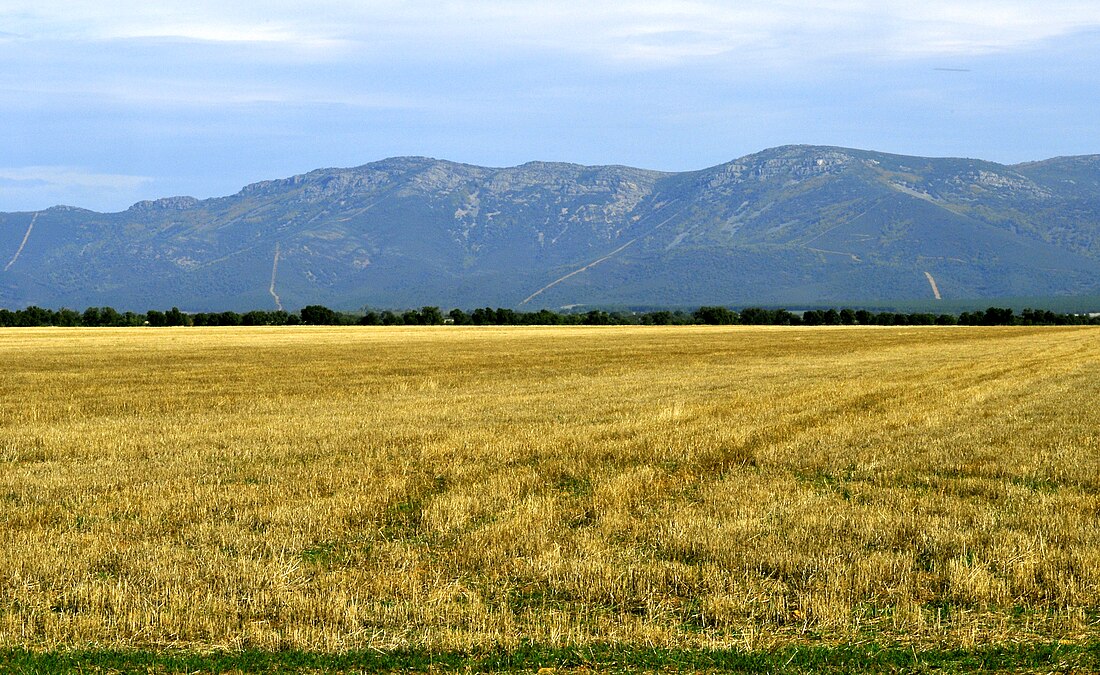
(802, 226)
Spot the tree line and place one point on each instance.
(319, 315)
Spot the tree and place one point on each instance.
(812, 317)
(597, 317)
(68, 317)
(998, 316)
(390, 319)
(658, 318)
(229, 319)
(1038, 317)
(431, 316)
(90, 317)
(318, 315)
(483, 316)
(279, 317)
(715, 316)
(755, 316)
(370, 319)
(782, 317)
(34, 316)
(543, 317)
(255, 317)
(109, 316)
(174, 317)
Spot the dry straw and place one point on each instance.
(337, 488)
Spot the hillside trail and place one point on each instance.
(274, 271)
(935, 288)
(592, 264)
(819, 235)
(23, 243)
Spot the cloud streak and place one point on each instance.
(69, 177)
(662, 31)
(33, 187)
(207, 93)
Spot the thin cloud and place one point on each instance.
(150, 93)
(662, 31)
(38, 177)
(203, 22)
(32, 188)
(674, 31)
(243, 85)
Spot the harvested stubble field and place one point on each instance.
(334, 489)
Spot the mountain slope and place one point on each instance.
(790, 225)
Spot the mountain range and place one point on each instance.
(794, 225)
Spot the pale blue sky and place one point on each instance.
(104, 104)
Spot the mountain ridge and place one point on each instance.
(786, 225)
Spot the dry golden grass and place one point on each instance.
(343, 488)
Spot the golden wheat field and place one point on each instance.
(452, 488)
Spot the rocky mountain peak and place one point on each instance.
(789, 225)
(166, 204)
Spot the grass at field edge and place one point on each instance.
(1044, 657)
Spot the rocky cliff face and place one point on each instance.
(790, 225)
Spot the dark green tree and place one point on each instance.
(431, 316)
(998, 316)
(755, 316)
(813, 317)
(109, 316)
(318, 315)
(90, 318)
(174, 317)
(370, 319)
(391, 319)
(715, 316)
(68, 317)
(255, 317)
(597, 317)
(483, 316)
(658, 318)
(34, 316)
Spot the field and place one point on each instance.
(468, 491)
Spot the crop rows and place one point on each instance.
(334, 489)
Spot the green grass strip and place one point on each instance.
(600, 658)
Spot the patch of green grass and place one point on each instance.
(867, 658)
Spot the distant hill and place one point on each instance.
(795, 225)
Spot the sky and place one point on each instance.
(103, 104)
